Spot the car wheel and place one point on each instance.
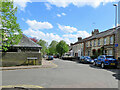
(115, 67)
(94, 63)
(102, 65)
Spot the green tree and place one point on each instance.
(10, 29)
(52, 47)
(44, 45)
(62, 47)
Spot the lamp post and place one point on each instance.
(116, 15)
(116, 36)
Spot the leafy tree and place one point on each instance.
(47, 51)
(52, 47)
(62, 47)
(9, 28)
(44, 45)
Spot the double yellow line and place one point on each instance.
(22, 86)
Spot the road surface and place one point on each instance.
(67, 74)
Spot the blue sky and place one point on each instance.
(63, 20)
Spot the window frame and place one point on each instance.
(105, 41)
(111, 41)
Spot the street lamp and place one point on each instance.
(116, 15)
(116, 36)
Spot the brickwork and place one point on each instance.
(118, 42)
(16, 58)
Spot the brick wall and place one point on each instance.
(18, 58)
(118, 42)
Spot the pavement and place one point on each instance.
(67, 74)
(45, 64)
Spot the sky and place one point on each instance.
(64, 19)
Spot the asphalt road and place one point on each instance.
(67, 74)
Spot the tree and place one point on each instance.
(34, 39)
(52, 47)
(44, 45)
(62, 47)
(10, 29)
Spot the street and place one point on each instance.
(67, 74)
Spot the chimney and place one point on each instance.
(71, 44)
(95, 32)
(79, 39)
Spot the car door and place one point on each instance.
(99, 60)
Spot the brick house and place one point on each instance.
(77, 48)
(105, 41)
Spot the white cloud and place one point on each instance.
(58, 15)
(67, 29)
(79, 3)
(83, 34)
(62, 14)
(41, 35)
(21, 3)
(48, 6)
(69, 38)
(39, 25)
(73, 37)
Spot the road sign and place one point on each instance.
(116, 45)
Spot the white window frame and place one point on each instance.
(105, 40)
(98, 42)
(90, 43)
(94, 42)
(111, 40)
(86, 44)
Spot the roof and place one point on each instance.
(27, 42)
(99, 35)
(102, 34)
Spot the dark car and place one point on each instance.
(106, 60)
(85, 59)
(50, 58)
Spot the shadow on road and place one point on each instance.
(116, 71)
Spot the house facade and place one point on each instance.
(77, 48)
(106, 42)
(98, 41)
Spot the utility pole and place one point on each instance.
(116, 34)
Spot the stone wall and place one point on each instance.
(118, 42)
(19, 58)
(118, 32)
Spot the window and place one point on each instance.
(90, 43)
(94, 42)
(111, 40)
(87, 44)
(110, 57)
(98, 42)
(105, 41)
(110, 52)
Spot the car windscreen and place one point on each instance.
(109, 56)
(88, 57)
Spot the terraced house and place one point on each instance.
(106, 42)
(77, 48)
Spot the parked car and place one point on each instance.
(56, 56)
(86, 59)
(67, 56)
(45, 56)
(106, 60)
(50, 58)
